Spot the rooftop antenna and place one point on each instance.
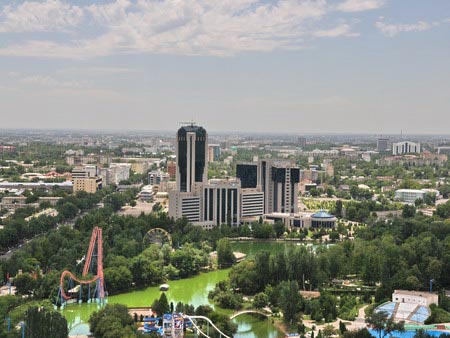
(191, 123)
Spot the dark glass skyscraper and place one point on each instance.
(248, 174)
(191, 150)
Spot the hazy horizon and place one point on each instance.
(265, 66)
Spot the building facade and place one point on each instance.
(221, 202)
(405, 147)
(86, 179)
(87, 184)
(415, 297)
(409, 195)
(156, 177)
(192, 164)
(383, 145)
(213, 152)
(172, 169)
(301, 142)
(278, 180)
(116, 173)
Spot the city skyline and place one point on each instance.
(342, 66)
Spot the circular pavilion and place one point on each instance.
(323, 219)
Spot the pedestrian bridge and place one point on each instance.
(249, 311)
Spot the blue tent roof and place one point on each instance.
(322, 214)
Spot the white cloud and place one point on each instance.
(359, 5)
(51, 82)
(188, 27)
(94, 71)
(394, 29)
(40, 84)
(32, 16)
(341, 30)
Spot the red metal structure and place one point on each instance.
(99, 293)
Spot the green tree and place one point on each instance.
(225, 256)
(261, 300)
(421, 333)
(243, 277)
(161, 305)
(361, 333)
(279, 228)
(68, 210)
(328, 331)
(338, 209)
(290, 300)
(408, 211)
(119, 278)
(112, 321)
(41, 322)
(383, 324)
(25, 284)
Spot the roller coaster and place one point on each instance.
(174, 324)
(99, 293)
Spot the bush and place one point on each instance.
(438, 315)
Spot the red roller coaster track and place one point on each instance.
(95, 237)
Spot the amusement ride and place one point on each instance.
(99, 293)
(168, 325)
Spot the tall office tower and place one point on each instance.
(280, 185)
(278, 180)
(383, 145)
(192, 150)
(248, 173)
(301, 142)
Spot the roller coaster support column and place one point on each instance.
(22, 325)
(60, 298)
(89, 293)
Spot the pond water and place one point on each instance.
(192, 291)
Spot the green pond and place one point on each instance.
(192, 291)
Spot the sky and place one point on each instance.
(297, 66)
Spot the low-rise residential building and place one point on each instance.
(411, 195)
(157, 176)
(67, 185)
(415, 297)
(86, 179)
(146, 193)
(87, 184)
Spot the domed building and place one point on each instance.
(323, 219)
(302, 220)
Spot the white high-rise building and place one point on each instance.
(116, 173)
(405, 147)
